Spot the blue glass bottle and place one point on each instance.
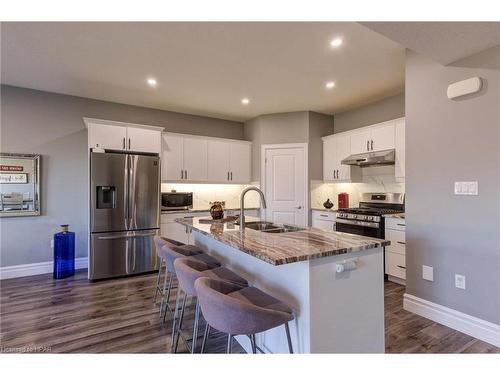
(64, 253)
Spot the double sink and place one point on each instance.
(268, 227)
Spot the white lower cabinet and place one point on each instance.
(323, 220)
(395, 253)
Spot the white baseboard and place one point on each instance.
(31, 269)
(468, 324)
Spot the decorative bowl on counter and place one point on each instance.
(217, 210)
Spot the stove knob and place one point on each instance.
(367, 218)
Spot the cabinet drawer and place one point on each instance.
(395, 223)
(398, 241)
(324, 215)
(395, 264)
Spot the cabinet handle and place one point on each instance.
(372, 144)
(129, 143)
(186, 174)
(323, 215)
(337, 174)
(403, 267)
(401, 242)
(228, 176)
(367, 145)
(231, 176)
(124, 143)
(402, 225)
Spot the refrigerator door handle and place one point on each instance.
(118, 236)
(131, 193)
(125, 195)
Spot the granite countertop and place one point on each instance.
(204, 210)
(283, 248)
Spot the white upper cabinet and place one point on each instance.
(240, 162)
(143, 140)
(400, 150)
(336, 148)
(195, 159)
(384, 136)
(114, 135)
(218, 160)
(205, 159)
(360, 141)
(373, 138)
(172, 157)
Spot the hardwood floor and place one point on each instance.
(75, 315)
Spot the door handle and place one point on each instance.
(372, 144)
(119, 236)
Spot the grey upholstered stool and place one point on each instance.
(172, 252)
(160, 242)
(188, 270)
(237, 310)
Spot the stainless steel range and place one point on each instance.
(368, 219)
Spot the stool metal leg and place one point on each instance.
(195, 326)
(254, 346)
(174, 320)
(166, 305)
(288, 338)
(205, 337)
(229, 339)
(179, 327)
(158, 280)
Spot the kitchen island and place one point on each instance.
(336, 311)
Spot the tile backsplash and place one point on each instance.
(375, 180)
(203, 194)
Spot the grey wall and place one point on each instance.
(447, 141)
(51, 125)
(319, 126)
(291, 127)
(372, 113)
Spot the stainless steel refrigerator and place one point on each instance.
(124, 214)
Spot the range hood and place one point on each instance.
(368, 159)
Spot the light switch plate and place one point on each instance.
(466, 188)
(427, 273)
(459, 281)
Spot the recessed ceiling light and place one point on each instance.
(152, 82)
(245, 101)
(337, 42)
(330, 85)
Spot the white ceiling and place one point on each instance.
(445, 42)
(206, 68)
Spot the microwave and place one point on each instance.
(173, 201)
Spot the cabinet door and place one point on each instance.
(110, 137)
(143, 140)
(343, 143)
(195, 159)
(400, 151)
(329, 159)
(240, 162)
(382, 137)
(323, 224)
(218, 160)
(172, 162)
(360, 141)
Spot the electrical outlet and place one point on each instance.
(466, 188)
(51, 243)
(427, 273)
(459, 281)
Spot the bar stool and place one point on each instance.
(171, 253)
(159, 243)
(188, 270)
(237, 310)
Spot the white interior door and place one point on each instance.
(285, 185)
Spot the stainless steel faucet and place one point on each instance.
(242, 203)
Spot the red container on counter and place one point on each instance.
(343, 200)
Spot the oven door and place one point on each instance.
(368, 231)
